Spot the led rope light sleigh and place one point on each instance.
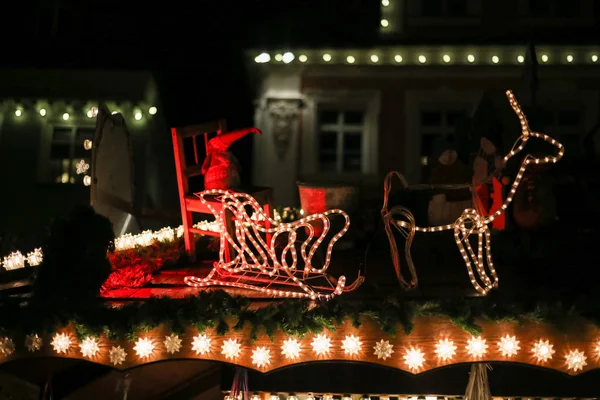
(472, 222)
(256, 265)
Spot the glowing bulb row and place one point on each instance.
(91, 113)
(202, 344)
(288, 57)
(17, 260)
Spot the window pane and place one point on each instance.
(60, 151)
(353, 117)
(431, 119)
(427, 144)
(328, 117)
(328, 141)
(457, 8)
(453, 118)
(352, 143)
(352, 163)
(327, 162)
(568, 118)
(84, 134)
(540, 8)
(62, 134)
(568, 8)
(60, 170)
(432, 8)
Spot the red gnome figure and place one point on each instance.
(221, 169)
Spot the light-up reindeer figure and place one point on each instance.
(256, 265)
(483, 276)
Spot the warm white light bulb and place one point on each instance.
(18, 112)
(138, 115)
(303, 58)
(495, 59)
(446, 58)
(87, 180)
(569, 58)
(326, 57)
(414, 358)
(520, 59)
(262, 58)
(374, 58)
(279, 57)
(398, 58)
(422, 59)
(152, 110)
(385, 3)
(65, 116)
(288, 57)
(43, 112)
(445, 349)
(350, 59)
(544, 58)
(385, 23)
(471, 58)
(594, 57)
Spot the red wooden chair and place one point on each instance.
(190, 203)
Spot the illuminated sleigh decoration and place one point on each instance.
(257, 265)
(483, 276)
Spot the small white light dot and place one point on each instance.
(152, 110)
(495, 59)
(279, 57)
(374, 58)
(398, 58)
(471, 58)
(385, 23)
(262, 58)
(43, 112)
(18, 113)
(594, 58)
(326, 57)
(446, 58)
(303, 58)
(65, 116)
(520, 59)
(422, 59)
(544, 58)
(385, 3)
(350, 59)
(288, 57)
(569, 58)
(138, 115)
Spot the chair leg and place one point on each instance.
(188, 237)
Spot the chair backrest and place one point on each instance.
(184, 169)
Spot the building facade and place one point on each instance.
(45, 118)
(351, 115)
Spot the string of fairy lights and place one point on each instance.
(411, 358)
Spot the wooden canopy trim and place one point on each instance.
(579, 335)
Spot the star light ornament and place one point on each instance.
(201, 344)
(89, 347)
(351, 345)
(414, 358)
(144, 347)
(383, 349)
(290, 349)
(7, 346)
(321, 344)
(542, 350)
(445, 349)
(576, 360)
(509, 346)
(261, 357)
(33, 342)
(61, 343)
(476, 347)
(172, 343)
(82, 167)
(231, 348)
(117, 355)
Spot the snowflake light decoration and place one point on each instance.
(7, 346)
(321, 344)
(89, 347)
(476, 346)
(414, 358)
(351, 345)
(61, 343)
(117, 355)
(509, 346)
(82, 167)
(383, 349)
(291, 349)
(445, 349)
(35, 257)
(33, 342)
(231, 348)
(261, 357)
(144, 347)
(542, 350)
(172, 343)
(201, 344)
(576, 360)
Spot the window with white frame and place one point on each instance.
(341, 141)
(437, 124)
(67, 157)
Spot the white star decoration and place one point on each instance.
(33, 342)
(7, 346)
(476, 346)
(509, 346)
(231, 348)
(576, 360)
(201, 344)
(89, 347)
(414, 358)
(351, 345)
(542, 350)
(383, 349)
(261, 357)
(144, 347)
(445, 349)
(61, 343)
(290, 349)
(117, 355)
(172, 343)
(82, 167)
(321, 344)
